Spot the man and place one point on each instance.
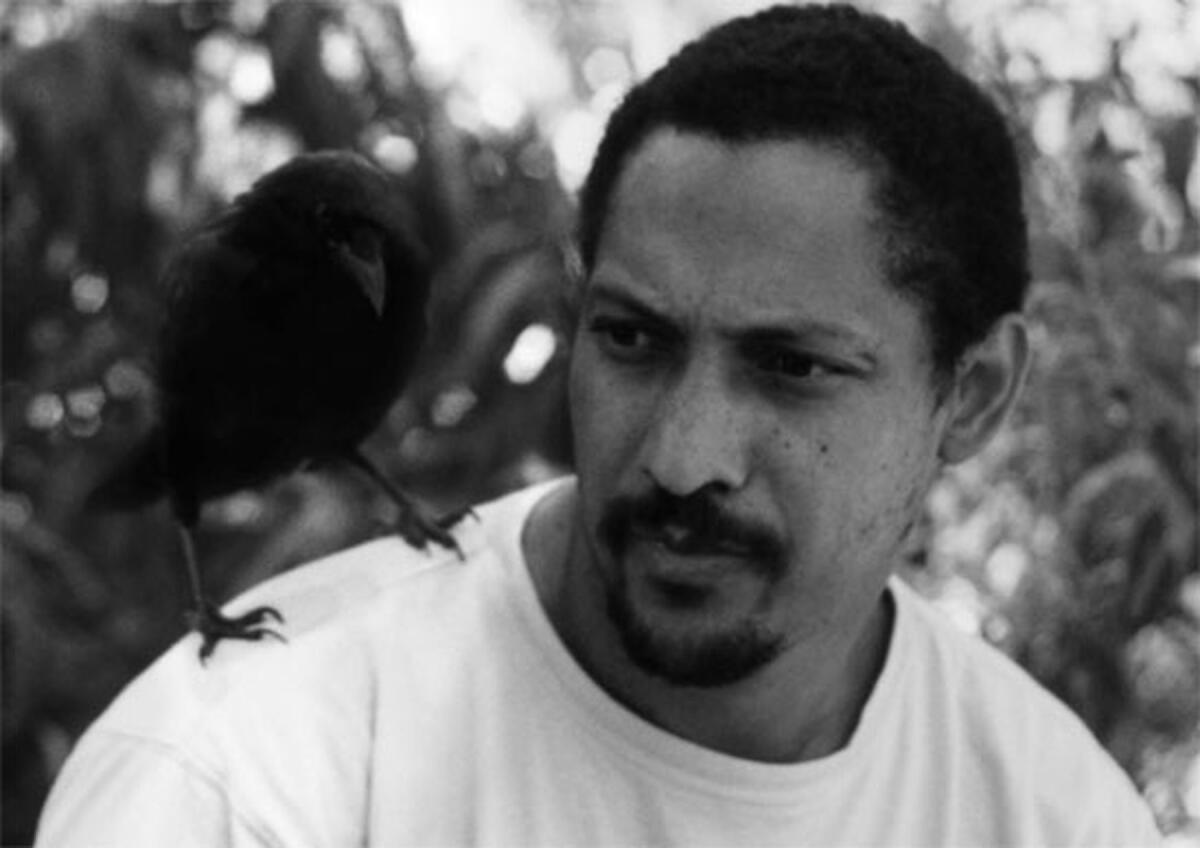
(805, 254)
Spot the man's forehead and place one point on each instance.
(782, 190)
(780, 207)
(668, 144)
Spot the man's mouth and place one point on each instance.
(685, 565)
(691, 539)
(682, 540)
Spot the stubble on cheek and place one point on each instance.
(884, 525)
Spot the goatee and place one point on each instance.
(696, 525)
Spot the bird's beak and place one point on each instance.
(363, 258)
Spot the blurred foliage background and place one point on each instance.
(1071, 543)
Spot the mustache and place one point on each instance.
(699, 524)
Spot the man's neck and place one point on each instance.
(804, 705)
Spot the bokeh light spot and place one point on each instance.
(89, 293)
(45, 411)
(452, 406)
(125, 380)
(250, 78)
(395, 153)
(341, 56)
(86, 402)
(530, 353)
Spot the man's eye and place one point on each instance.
(790, 364)
(623, 337)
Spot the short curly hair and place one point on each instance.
(948, 183)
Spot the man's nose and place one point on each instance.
(699, 435)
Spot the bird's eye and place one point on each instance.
(348, 231)
(333, 223)
(329, 224)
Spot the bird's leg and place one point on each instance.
(414, 525)
(208, 621)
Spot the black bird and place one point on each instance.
(292, 323)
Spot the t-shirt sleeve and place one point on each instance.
(1118, 815)
(122, 790)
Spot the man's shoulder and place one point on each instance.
(342, 615)
(341, 589)
(1021, 745)
(368, 631)
(991, 689)
(347, 588)
(966, 655)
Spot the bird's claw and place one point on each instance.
(419, 530)
(451, 519)
(213, 626)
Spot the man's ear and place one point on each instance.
(986, 384)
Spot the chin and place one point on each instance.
(678, 640)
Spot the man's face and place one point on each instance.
(753, 407)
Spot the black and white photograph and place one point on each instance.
(568, 423)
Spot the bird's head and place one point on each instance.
(344, 206)
(356, 243)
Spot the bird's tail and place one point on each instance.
(135, 481)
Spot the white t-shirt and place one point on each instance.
(424, 700)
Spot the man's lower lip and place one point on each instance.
(665, 563)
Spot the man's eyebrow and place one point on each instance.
(806, 331)
(615, 295)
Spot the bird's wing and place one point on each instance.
(205, 274)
